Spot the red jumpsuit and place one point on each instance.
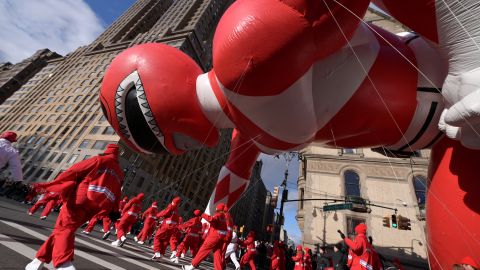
(249, 257)
(131, 212)
(149, 221)
(176, 235)
(298, 259)
(214, 241)
(193, 231)
(102, 215)
(229, 236)
(85, 188)
(361, 251)
(277, 258)
(307, 261)
(167, 228)
(48, 201)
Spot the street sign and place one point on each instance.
(335, 207)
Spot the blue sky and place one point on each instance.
(63, 26)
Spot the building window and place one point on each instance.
(94, 130)
(140, 182)
(352, 222)
(302, 195)
(54, 154)
(61, 157)
(40, 172)
(349, 151)
(352, 183)
(420, 186)
(72, 159)
(86, 157)
(84, 144)
(100, 145)
(45, 177)
(108, 131)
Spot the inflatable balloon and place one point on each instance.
(288, 73)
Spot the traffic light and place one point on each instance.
(386, 222)
(394, 221)
(404, 223)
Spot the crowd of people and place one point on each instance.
(90, 191)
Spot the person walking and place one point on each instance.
(307, 260)
(149, 221)
(214, 240)
(298, 258)
(193, 230)
(131, 212)
(249, 257)
(277, 259)
(93, 221)
(85, 188)
(361, 251)
(232, 248)
(48, 201)
(339, 257)
(10, 158)
(168, 227)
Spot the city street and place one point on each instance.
(21, 235)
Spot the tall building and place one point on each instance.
(14, 76)
(249, 210)
(58, 117)
(364, 177)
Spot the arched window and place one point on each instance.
(420, 186)
(352, 183)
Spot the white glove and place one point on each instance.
(461, 118)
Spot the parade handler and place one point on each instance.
(85, 188)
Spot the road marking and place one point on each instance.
(77, 252)
(19, 248)
(125, 250)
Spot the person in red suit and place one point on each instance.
(361, 251)
(298, 258)
(307, 260)
(249, 257)
(214, 241)
(149, 221)
(49, 201)
(193, 231)
(85, 188)
(174, 238)
(277, 258)
(229, 236)
(131, 212)
(103, 216)
(168, 227)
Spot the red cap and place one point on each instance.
(307, 249)
(197, 213)
(299, 247)
(225, 208)
(111, 149)
(140, 196)
(9, 135)
(125, 198)
(470, 261)
(176, 200)
(154, 204)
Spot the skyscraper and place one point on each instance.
(58, 117)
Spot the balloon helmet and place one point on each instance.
(148, 95)
(9, 135)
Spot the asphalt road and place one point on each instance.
(21, 235)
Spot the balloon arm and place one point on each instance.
(235, 175)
